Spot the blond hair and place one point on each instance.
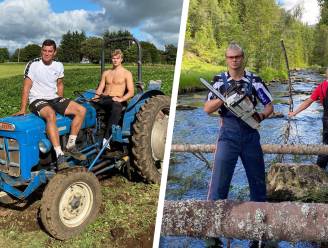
(235, 46)
(117, 52)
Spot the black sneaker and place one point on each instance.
(213, 243)
(256, 244)
(74, 153)
(61, 162)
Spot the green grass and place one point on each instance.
(11, 69)
(77, 77)
(268, 74)
(193, 68)
(16, 69)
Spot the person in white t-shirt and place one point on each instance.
(44, 88)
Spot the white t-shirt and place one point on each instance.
(44, 79)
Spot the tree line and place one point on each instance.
(258, 26)
(75, 47)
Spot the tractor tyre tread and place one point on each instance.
(49, 210)
(141, 138)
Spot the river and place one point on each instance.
(189, 176)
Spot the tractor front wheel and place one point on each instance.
(149, 136)
(70, 202)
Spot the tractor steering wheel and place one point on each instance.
(82, 98)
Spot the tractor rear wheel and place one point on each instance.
(70, 202)
(149, 136)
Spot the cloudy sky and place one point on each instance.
(31, 21)
(311, 9)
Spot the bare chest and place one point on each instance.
(115, 79)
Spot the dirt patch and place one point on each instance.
(23, 217)
(143, 240)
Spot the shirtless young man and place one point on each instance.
(115, 88)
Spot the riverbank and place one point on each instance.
(193, 68)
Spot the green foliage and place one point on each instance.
(269, 73)
(30, 52)
(4, 54)
(91, 49)
(70, 47)
(320, 52)
(75, 46)
(123, 45)
(170, 54)
(192, 69)
(27, 53)
(150, 53)
(258, 26)
(323, 11)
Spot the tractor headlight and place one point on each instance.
(44, 145)
(7, 126)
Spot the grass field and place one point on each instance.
(16, 69)
(77, 77)
(128, 212)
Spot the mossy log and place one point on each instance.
(246, 220)
(309, 149)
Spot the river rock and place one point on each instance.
(290, 182)
(185, 107)
(276, 115)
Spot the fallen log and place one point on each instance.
(246, 220)
(267, 148)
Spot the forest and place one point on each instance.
(75, 47)
(258, 26)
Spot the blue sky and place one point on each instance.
(59, 6)
(24, 22)
(311, 9)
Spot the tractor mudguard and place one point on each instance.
(133, 108)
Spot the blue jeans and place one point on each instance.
(236, 139)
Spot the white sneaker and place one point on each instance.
(104, 142)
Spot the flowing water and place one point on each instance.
(189, 176)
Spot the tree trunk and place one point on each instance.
(267, 148)
(246, 220)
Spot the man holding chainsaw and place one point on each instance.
(236, 137)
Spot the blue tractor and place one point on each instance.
(71, 198)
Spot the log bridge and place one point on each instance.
(289, 221)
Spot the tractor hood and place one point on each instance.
(21, 123)
(32, 123)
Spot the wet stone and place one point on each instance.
(297, 182)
